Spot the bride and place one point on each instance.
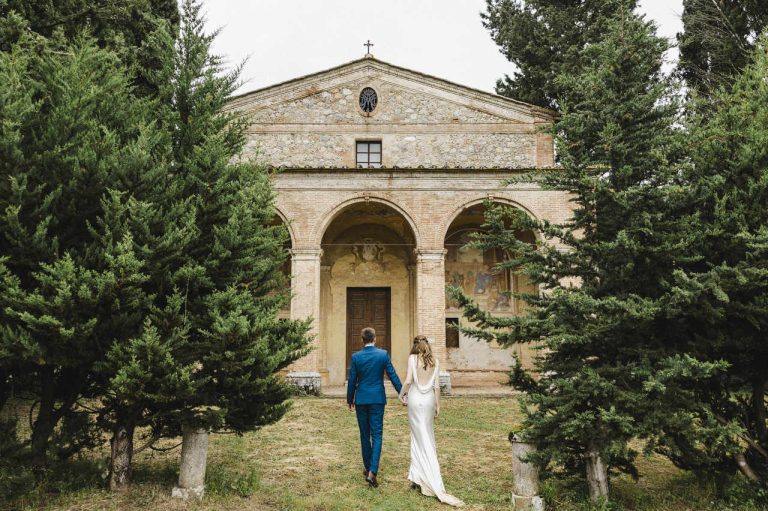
(421, 392)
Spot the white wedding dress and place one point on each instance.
(425, 469)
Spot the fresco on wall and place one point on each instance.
(473, 270)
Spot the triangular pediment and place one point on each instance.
(405, 97)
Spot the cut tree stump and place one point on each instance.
(597, 475)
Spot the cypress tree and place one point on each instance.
(544, 39)
(74, 134)
(717, 41)
(599, 323)
(721, 302)
(212, 347)
(125, 27)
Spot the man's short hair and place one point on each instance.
(368, 334)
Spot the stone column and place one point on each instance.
(305, 303)
(411, 302)
(430, 305)
(525, 477)
(194, 455)
(325, 301)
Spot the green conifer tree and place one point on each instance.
(722, 298)
(544, 39)
(74, 134)
(599, 322)
(717, 41)
(124, 27)
(217, 329)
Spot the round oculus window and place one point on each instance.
(368, 100)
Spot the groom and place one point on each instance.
(365, 395)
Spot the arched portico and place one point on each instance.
(474, 270)
(450, 219)
(366, 279)
(328, 217)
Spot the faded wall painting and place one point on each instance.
(474, 271)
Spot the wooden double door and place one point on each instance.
(368, 307)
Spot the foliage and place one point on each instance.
(600, 323)
(544, 39)
(228, 287)
(721, 298)
(210, 349)
(125, 27)
(141, 265)
(73, 133)
(717, 40)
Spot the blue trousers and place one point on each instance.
(370, 420)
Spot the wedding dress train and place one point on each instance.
(425, 469)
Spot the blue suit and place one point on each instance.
(365, 388)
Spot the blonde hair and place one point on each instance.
(423, 351)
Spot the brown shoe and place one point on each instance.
(365, 473)
(371, 478)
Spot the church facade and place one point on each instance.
(384, 173)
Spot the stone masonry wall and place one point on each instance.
(480, 150)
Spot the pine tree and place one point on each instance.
(211, 350)
(722, 298)
(599, 323)
(544, 39)
(717, 40)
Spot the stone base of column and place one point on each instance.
(186, 493)
(306, 383)
(194, 457)
(527, 503)
(445, 383)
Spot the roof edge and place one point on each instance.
(544, 111)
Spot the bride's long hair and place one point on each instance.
(423, 351)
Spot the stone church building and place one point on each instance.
(384, 176)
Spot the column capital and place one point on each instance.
(423, 255)
(306, 254)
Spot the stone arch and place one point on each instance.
(280, 219)
(474, 270)
(367, 278)
(446, 225)
(288, 225)
(327, 218)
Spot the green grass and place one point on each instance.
(310, 461)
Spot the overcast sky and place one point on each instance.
(285, 39)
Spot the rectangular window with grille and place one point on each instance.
(451, 332)
(369, 154)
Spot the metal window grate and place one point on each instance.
(369, 155)
(368, 100)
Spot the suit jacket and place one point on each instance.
(366, 377)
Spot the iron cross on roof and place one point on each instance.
(368, 44)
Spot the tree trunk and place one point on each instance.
(744, 467)
(597, 475)
(758, 409)
(122, 455)
(5, 388)
(46, 416)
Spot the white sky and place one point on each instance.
(285, 39)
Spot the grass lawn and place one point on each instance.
(310, 460)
